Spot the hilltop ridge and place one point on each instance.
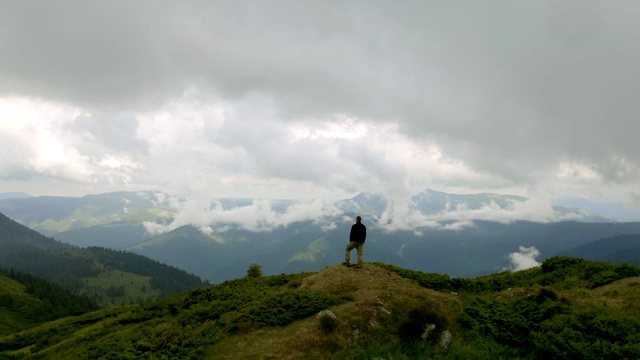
(374, 300)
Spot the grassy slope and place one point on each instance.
(370, 299)
(564, 310)
(137, 288)
(11, 320)
(377, 301)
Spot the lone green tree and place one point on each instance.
(254, 271)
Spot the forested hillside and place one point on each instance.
(15, 237)
(26, 300)
(107, 276)
(618, 249)
(568, 308)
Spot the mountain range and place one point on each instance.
(415, 277)
(461, 235)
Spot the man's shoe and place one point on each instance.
(357, 266)
(346, 263)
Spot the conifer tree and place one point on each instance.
(254, 271)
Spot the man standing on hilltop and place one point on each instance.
(356, 241)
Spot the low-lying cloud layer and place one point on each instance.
(402, 216)
(212, 216)
(260, 215)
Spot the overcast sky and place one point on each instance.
(321, 99)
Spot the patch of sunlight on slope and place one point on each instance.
(620, 296)
(159, 241)
(140, 215)
(136, 287)
(11, 287)
(155, 242)
(217, 238)
(305, 256)
(167, 238)
(52, 225)
(88, 216)
(205, 238)
(316, 248)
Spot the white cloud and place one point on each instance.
(259, 215)
(524, 259)
(577, 171)
(402, 215)
(330, 226)
(37, 131)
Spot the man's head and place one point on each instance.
(358, 219)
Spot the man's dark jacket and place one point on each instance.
(358, 233)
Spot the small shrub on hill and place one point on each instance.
(511, 323)
(254, 271)
(281, 308)
(418, 319)
(294, 284)
(327, 323)
(611, 273)
(587, 335)
(427, 280)
(546, 293)
(560, 262)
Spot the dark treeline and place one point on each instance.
(168, 279)
(56, 266)
(68, 267)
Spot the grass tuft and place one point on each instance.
(327, 323)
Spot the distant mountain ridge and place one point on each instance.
(430, 235)
(480, 250)
(617, 249)
(14, 195)
(53, 214)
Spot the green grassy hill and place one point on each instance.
(26, 300)
(568, 308)
(13, 293)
